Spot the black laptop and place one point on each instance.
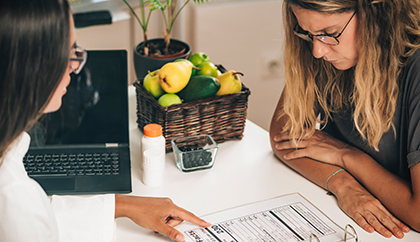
(83, 148)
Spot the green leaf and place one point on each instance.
(155, 5)
(200, 1)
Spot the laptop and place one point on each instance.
(83, 148)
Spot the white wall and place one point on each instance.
(243, 35)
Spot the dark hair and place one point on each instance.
(34, 54)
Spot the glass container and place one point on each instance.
(194, 152)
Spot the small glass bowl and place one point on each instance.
(194, 152)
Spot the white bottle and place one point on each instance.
(152, 139)
(153, 167)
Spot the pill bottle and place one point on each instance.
(152, 139)
(153, 167)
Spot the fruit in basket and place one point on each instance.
(198, 58)
(207, 69)
(169, 99)
(174, 76)
(230, 82)
(194, 70)
(152, 85)
(200, 87)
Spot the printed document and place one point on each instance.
(285, 218)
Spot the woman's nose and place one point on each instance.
(320, 49)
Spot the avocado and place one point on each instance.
(199, 87)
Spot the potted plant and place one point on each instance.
(150, 55)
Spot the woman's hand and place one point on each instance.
(320, 146)
(367, 211)
(358, 203)
(157, 214)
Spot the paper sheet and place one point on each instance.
(285, 218)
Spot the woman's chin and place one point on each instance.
(339, 65)
(53, 107)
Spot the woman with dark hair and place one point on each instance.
(37, 54)
(353, 66)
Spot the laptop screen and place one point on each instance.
(94, 110)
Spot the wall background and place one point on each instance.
(243, 35)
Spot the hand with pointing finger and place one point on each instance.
(157, 214)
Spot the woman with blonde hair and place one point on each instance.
(38, 52)
(353, 66)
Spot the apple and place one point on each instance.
(198, 58)
(207, 69)
(152, 85)
(168, 99)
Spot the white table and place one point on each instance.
(245, 171)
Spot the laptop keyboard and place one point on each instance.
(90, 164)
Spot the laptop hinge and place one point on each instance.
(111, 145)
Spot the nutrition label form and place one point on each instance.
(285, 218)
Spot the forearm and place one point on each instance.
(315, 171)
(397, 195)
(120, 206)
(318, 158)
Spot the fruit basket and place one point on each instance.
(221, 117)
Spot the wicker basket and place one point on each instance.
(222, 117)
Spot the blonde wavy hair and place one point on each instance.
(388, 33)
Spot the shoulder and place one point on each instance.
(20, 195)
(24, 195)
(23, 204)
(413, 61)
(12, 169)
(415, 58)
(410, 74)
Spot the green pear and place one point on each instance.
(230, 82)
(169, 99)
(152, 85)
(174, 76)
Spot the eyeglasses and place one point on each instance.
(324, 38)
(78, 59)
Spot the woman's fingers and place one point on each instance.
(401, 226)
(157, 214)
(361, 221)
(370, 214)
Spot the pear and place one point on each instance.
(229, 83)
(152, 85)
(174, 76)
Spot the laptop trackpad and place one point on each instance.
(54, 184)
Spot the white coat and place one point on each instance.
(28, 214)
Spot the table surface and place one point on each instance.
(244, 172)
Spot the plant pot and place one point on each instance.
(143, 64)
